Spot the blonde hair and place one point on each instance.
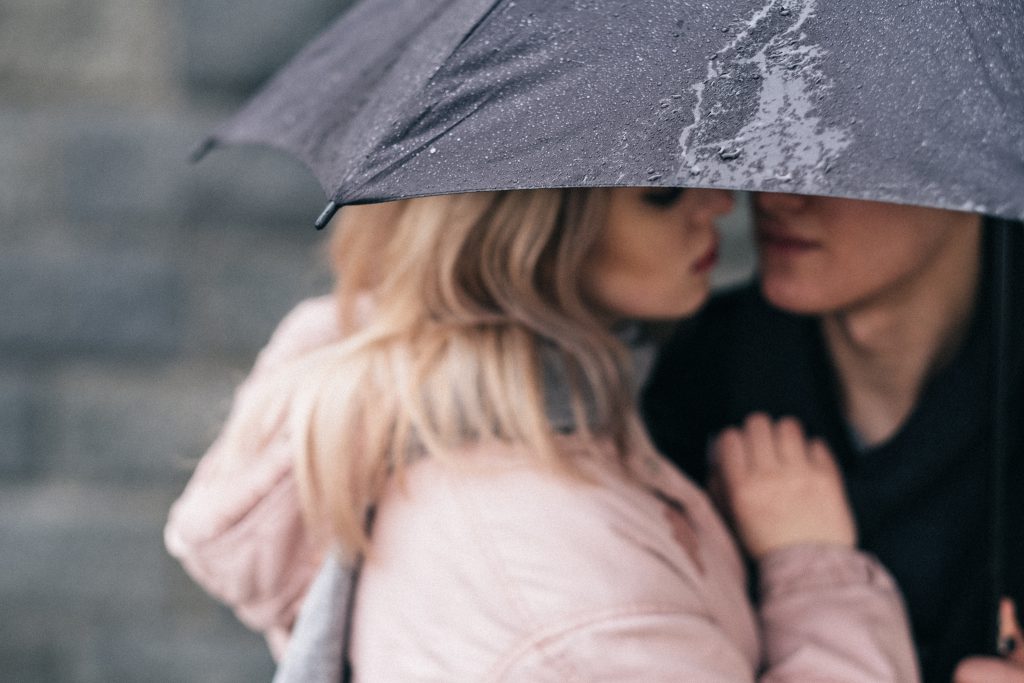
(468, 293)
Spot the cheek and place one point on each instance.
(832, 281)
(667, 291)
(641, 269)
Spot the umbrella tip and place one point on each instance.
(327, 214)
(201, 150)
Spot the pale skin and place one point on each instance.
(653, 262)
(781, 489)
(894, 288)
(654, 259)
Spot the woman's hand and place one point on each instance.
(779, 488)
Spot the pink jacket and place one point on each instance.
(500, 571)
(237, 528)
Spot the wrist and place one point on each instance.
(808, 567)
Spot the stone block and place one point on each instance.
(92, 48)
(231, 49)
(88, 594)
(66, 544)
(55, 301)
(264, 188)
(130, 170)
(124, 166)
(177, 650)
(129, 424)
(87, 643)
(245, 284)
(16, 403)
(29, 169)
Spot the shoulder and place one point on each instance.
(542, 542)
(515, 567)
(309, 325)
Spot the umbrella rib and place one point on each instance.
(1000, 366)
(426, 144)
(481, 17)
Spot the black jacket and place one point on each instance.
(921, 499)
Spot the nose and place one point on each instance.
(722, 202)
(780, 202)
(713, 204)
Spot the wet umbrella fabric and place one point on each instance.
(871, 100)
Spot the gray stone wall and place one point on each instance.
(135, 291)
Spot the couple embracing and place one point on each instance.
(461, 421)
(481, 459)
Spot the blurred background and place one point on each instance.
(135, 291)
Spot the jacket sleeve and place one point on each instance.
(238, 528)
(833, 614)
(648, 646)
(830, 615)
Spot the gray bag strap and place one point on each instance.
(318, 649)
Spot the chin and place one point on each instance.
(792, 298)
(684, 306)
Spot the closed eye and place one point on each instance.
(663, 197)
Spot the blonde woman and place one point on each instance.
(472, 384)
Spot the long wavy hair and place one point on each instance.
(450, 306)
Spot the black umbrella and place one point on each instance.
(903, 102)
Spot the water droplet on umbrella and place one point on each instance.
(696, 170)
(433, 150)
(665, 103)
(729, 153)
(785, 11)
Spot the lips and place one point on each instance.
(776, 236)
(708, 260)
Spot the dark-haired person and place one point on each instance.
(871, 323)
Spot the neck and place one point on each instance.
(885, 349)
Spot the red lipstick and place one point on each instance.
(708, 260)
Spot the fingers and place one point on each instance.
(762, 445)
(770, 445)
(1011, 640)
(731, 454)
(790, 442)
(820, 456)
(780, 489)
